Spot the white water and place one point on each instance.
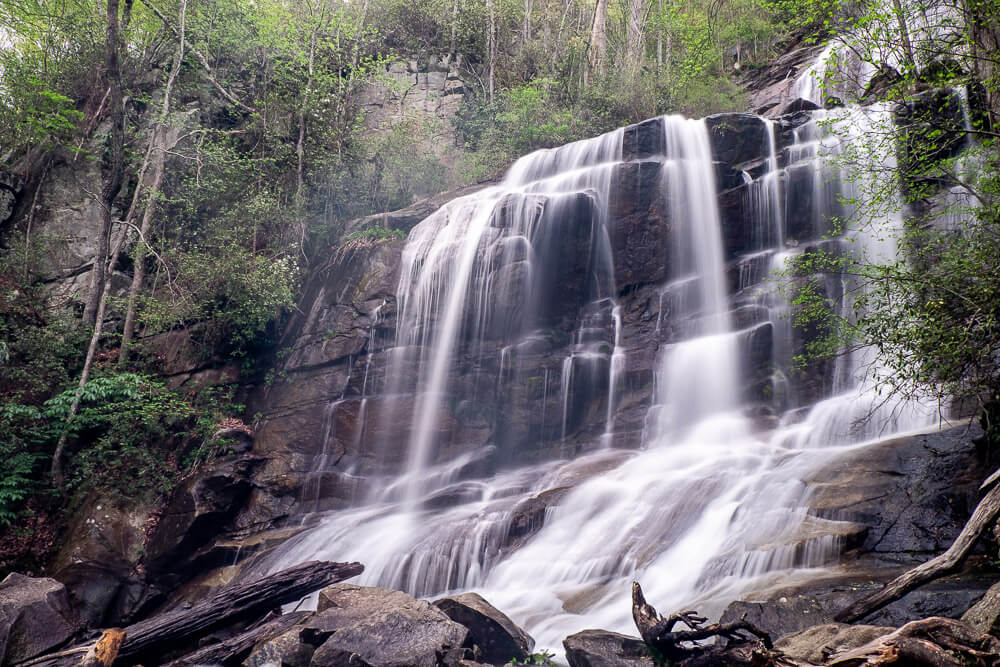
(713, 504)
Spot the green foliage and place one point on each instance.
(375, 233)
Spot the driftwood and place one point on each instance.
(982, 518)
(659, 634)
(931, 642)
(235, 649)
(105, 650)
(234, 603)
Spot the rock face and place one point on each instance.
(498, 638)
(600, 648)
(35, 617)
(378, 627)
(197, 512)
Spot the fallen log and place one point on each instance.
(148, 640)
(982, 518)
(235, 649)
(105, 649)
(659, 634)
(242, 601)
(931, 642)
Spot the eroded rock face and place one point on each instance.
(380, 628)
(600, 648)
(35, 616)
(498, 638)
(197, 512)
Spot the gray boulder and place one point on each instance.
(817, 644)
(361, 626)
(600, 648)
(35, 617)
(498, 638)
(985, 614)
(285, 650)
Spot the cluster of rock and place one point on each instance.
(359, 626)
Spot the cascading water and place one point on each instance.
(713, 503)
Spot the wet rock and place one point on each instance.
(644, 140)
(815, 645)
(498, 638)
(737, 138)
(640, 227)
(10, 187)
(914, 493)
(985, 614)
(789, 610)
(600, 648)
(197, 512)
(35, 616)
(799, 105)
(379, 628)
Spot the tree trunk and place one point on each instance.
(598, 38)
(526, 25)
(235, 650)
(113, 180)
(159, 148)
(982, 519)
(932, 641)
(491, 41)
(634, 50)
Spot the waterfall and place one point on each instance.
(515, 288)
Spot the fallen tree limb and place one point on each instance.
(235, 649)
(105, 650)
(659, 634)
(931, 642)
(982, 518)
(233, 603)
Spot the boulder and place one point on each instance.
(286, 650)
(35, 617)
(816, 644)
(378, 627)
(600, 648)
(498, 638)
(799, 104)
(644, 140)
(985, 614)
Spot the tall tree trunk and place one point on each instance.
(453, 49)
(491, 41)
(300, 146)
(598, 38)
(159, 146)
(526, 26)
(113, 179)
(634, 50)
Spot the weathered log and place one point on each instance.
(241, 601)
(659, 633)
(235, 649)
(931, 642)
(982, 518)
(105, 649)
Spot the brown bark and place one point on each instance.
(659, 634)
(235, 649)
(491, 43)
(982, 519)
(105, 650)
(931, 642)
